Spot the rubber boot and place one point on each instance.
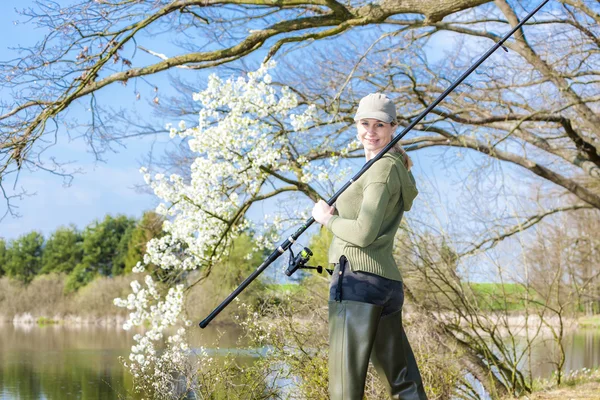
(352, 330)
(393, 359)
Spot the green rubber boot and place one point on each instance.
(393, 359)
(352, 330)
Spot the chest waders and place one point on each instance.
(365, 323)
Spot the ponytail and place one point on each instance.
(397, 148)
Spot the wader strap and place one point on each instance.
(338, 289)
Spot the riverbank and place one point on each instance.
(583, 391)
(519, 324)
(589, 321)
(44, 301)
(68, 319)
(582, 384)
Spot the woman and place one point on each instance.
(366, 293)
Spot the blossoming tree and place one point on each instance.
(252, 144)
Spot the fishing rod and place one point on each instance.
(300, 260)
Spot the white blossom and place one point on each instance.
(238, 136)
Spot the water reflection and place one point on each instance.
(81, 362)
(58, 363)
(582, 350)
(75, 362)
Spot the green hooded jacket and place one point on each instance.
(368, 214)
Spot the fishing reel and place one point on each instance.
(299, 261)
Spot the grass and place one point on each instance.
(581, 391)
(589, 321)
(498, 296)
(583, 384)
(43, 321)
(284, 288)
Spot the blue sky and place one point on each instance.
(103, 187)
(109, 187)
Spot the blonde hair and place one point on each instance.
(397, 148)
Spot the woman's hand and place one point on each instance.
(322, 212)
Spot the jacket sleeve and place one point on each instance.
(363, 230)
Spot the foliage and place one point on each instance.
(237, 143)
(44, 297)
(319, 244)
(460, 315)
(104, 250)
(589, 322)
(43, 321)
(63, 251)
(120, 257)
(24, 257)
(577, 384)
(211, 373)
(226, 275)
(109, 247)
(3, 256)
(148, 228)
(295, 333)
(498, 296)
(96, 299)
(290, 338)
(576, 377)
(229, 378)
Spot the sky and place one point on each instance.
(109, 187)
(101, 188)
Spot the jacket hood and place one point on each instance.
(409, 189)
(408, 185)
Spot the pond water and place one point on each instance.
(75, 362)
(582, 350)
(81, 362)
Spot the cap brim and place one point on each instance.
(381, 116)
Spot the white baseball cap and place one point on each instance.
(377, 106)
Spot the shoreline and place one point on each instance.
(524, 324)
(515, 323)
(29, 319)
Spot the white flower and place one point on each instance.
(245, 126)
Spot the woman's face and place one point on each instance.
(374, 134)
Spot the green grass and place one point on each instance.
(498, 296)
(279, 294)
(284, 288)
(589, 322)
(43, 321)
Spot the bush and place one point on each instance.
(296, 333)
(45, 297)
(96, 298)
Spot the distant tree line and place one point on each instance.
(110, 247)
